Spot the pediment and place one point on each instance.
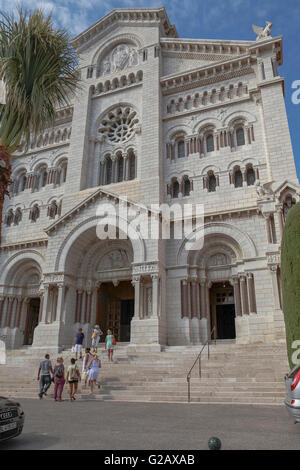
(93, 199)
(285, 187)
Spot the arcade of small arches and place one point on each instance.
(118, 167)
(238, 178)
(15, 216)
(39, 177)
(209, 139)
(207, 97)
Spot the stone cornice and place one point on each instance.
(24, 244)
(132, 16)
(208, 74)
(214, 50)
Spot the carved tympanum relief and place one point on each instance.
(120, 58)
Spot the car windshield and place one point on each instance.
(294, 372)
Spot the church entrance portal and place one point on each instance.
(222, 310)
(116, 309)
(32, 320)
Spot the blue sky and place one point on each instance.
(218, 19)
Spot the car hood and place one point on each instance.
(4, 402)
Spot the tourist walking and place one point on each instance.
(79, 343)
(44, 375)
(110, 343)
(93, 366)
(96, 337)
(73, 376)
(59, 378)
(86, 360)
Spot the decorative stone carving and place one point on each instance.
(262, 33)
(145, 269)
(218, 260)
(117, 259)
(120, 58)
(264, 191)
(119, 124)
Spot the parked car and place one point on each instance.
(292, 401)
(11, 418)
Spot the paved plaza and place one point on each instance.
(135, 426)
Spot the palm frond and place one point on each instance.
(38, 67)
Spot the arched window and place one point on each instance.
(240, 137)
(238, 179)
(210, 146)
(181, 149)
(120, 164)
(108, 170)
(175, 189)
(131, 175)
(186, 187)
(52, 210)
(44, 178)
(34, 213)
(250, 176)
(9, 218)
(22, 183)
(212, 183)
(18, 216)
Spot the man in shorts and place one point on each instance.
(79, 343)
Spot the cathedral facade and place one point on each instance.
(157, 120)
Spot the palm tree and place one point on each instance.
(38, 71)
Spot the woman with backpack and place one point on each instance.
(73, 376)
(59, 379)
(110, 343)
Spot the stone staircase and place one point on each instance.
(242, 374)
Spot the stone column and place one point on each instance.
(136, 281)
(83, 308)
(19, 312)
(126, 167)
(9, 311)
(244, 295)
(268, 229)
(14, 312)
(155, 283)
(280, 221)
(1, 309)
(78, 306)
(273, 270)
(237, 297)
(88, 307)
(195, 321)
(45, 303)
(60, 302)
(251, 290)
(203, 312)
(185, 300)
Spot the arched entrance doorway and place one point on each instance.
(222, 313)
(116, 309)
(32, 320)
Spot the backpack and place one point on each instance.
(58, 372)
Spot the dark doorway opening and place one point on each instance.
(222, 309)
(32, 320)
(116, 309)
(225, 321)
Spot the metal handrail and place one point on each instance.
(188, 378)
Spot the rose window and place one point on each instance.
(120, 124)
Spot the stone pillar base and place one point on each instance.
(144, 331)
(279, 325)
(255, 328)
(195, 330)
(49, 336)
(203, 330)
(14, 339)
